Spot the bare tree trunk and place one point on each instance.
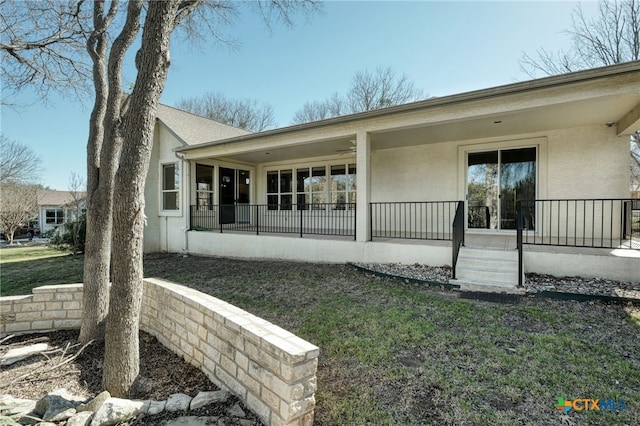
(102, 159)
(121, 364)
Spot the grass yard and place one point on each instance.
(399, 353)
(23, 268)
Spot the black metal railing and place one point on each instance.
(457, 231)
(597, 223)
(425, 220)
(337, 219)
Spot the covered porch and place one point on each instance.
(415, 182)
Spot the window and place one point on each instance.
(311, 187)
(343, 186)
(280, 189)
(170, 186)
(204, 187)
(314, 187)
(54, 216)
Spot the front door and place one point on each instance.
(496, 181)
(234, 195)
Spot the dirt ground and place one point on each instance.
(67, 365)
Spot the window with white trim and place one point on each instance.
(54, 216)
(316, 187)
(171, 186)
(204, 187)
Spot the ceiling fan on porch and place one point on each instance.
(349, 150)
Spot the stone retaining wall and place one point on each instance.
(271, 370)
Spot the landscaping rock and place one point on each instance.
(17, 406)
(236, 411)
(193, 421)
(82, 418)
(117, 410)
(56, 404)
(61, 416)
(178, 402)
(95, 403)
(156, 407)
(18, 354)
(206, 398)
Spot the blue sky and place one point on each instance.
(444, 47)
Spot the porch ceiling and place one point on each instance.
(504, 124)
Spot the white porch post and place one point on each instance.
(363, 180)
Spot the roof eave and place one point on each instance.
(519, 87)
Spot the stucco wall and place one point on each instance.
(320, 249)
(164, 230)
(586, 162)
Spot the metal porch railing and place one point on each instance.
(337, 219)
(595, 223)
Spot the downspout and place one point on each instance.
(185, 204)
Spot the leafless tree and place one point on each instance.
(42, 44)
(243, 113)
(380, 89)
(18, 162)
(612, 37)
(19, 206)
(369, 90)
(333, 106)
(119, 151)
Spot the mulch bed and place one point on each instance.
(65, 365)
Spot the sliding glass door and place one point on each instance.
(496, 181)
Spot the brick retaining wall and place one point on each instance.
(271, 370)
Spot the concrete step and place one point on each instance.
(500, 277)
(488, 264)
(480, 253)
(488, 268)
(487, 287)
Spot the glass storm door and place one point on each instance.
(496, 181)
(227, 182)
(234, 195)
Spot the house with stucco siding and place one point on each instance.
(526, 177)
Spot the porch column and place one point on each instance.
(363, 180)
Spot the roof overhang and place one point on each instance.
(608, 96)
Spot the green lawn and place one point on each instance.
(23, 268)
(400, 353)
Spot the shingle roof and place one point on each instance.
(193, 129)
(49, 197)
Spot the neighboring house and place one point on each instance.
(57, 207)
(387, 185)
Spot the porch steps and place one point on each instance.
(481, 269)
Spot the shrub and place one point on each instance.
(71, 236)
